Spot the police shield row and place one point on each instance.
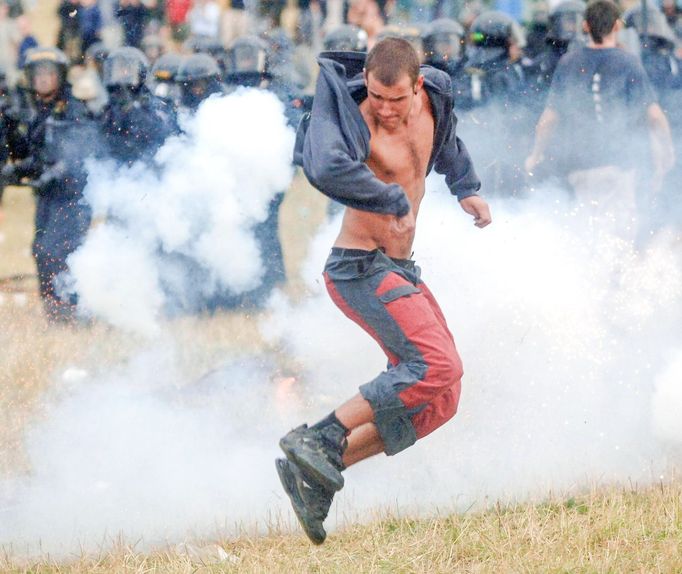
(44, 130)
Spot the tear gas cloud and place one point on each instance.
(569, 338)
(175, 235)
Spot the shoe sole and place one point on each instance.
(330, 478)
(288, 480)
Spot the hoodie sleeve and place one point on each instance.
(453, 161)
(333, 145)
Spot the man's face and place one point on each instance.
(45, 80)
(390, 105)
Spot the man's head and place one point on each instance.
(601, 19)
(393, 80)
(45, 70)
(45, 80)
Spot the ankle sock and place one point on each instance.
(331, 419)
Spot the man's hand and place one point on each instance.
(478, 207)
(403, 226)
(532, 161)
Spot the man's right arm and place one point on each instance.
(549, 119)
(543, 135)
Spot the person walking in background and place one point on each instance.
(26, 39)
(90, 24)
(204, 19)
(69, 39)
(235, 21)
(132, 15)
(8, 43)
(176, 13)
(599, 100)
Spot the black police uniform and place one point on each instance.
(564, 33)
(57, 135)
(491, 96)
(135, 123)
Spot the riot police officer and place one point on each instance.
(657, 46)
(565, 31)
(247, 63)
(248, 67)
(163, 81)
(198, 77)
(494, 68)
(58, 132)
(135, 123)
(346, 38)
(657, 52)
(443, 42)
(282, 64)
(492, 90)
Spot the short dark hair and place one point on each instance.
(601, 16)
(390, 59)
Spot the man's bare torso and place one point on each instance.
(400, 156)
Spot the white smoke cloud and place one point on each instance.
(562, 331)
(567, 338)
(137, 453)
(187, 225)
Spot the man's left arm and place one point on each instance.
(662, 148)
(455, 163)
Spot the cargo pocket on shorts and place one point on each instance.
(398, 292)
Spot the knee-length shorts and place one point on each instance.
(420, 389)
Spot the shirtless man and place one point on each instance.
(369, 274)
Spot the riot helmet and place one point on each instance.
(346, 38)
(45, 70)
(198, 76)
(164, 73)
(96, 54)
(656, 31)
(204, 45)
(197, 67)
(443, 41)
(125, 68)
(566, 22)
(491, 35)
(165, 69)
(248, 61)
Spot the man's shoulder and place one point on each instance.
(436, 80)
(587, 55)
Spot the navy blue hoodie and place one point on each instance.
(332, 143)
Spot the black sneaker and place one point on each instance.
(310, 502)
(311, 450)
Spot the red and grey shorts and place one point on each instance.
(420, 389)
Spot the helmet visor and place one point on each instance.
(248, 59)
(120, 71)
(445, 47)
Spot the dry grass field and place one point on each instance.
(607, 531)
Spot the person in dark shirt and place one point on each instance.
(132, 15)
(600, 108)
(90, 23)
